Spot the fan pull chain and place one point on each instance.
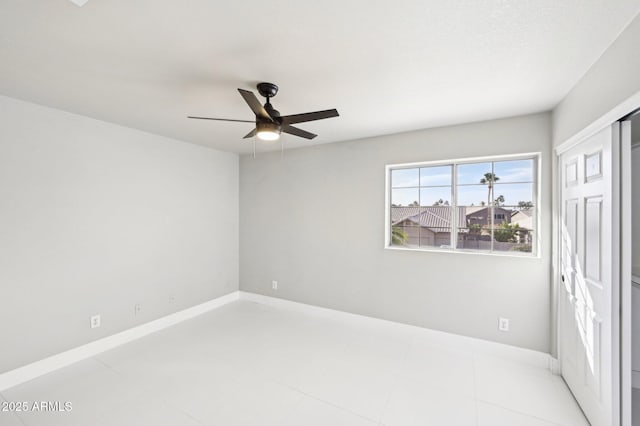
(281, 148)
(254, 148)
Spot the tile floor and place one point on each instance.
(253, 364)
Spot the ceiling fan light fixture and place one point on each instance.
(268, 131)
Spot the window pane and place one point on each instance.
(405, 227)
(473, 173)
(405, 236)
(426, 226)
(511, 237)
(512, 194)
(473, 195)
(435, 176)
(524, 217)
(400, 214)
(435, 226)
(437, 196)
(475, 216)
(514, 171)
(405, 197)
(402, 178)
(474, 238)
(435, 237)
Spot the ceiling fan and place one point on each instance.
(269, 123)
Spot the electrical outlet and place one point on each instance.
(137, 309)
(503, 324)
(95, 321)
(274, 285)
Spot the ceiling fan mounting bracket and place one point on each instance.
(267, 90)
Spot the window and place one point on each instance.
(478, 205)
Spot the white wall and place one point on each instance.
(613, 79)
(95, 218)
(314, 221)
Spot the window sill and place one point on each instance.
(467, 252)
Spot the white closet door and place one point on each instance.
(586, 324)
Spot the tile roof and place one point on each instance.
(435, 217)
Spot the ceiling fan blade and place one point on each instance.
(222, 119)
(297, 132)
(254, 104)
(309, 116)
(251, 134)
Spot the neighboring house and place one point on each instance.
(427, 226)
(431, 225)
(524, 218)
(481, 215)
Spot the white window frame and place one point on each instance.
(535, 249)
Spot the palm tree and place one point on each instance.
(489, 179)
(500, 200)
(398, 236)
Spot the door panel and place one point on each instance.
(593, 232)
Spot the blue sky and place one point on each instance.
(515, 183)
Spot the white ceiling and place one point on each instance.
(386, 66)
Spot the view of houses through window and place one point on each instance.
(488, 205)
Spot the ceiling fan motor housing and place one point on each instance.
(274, 113)
(267, 90)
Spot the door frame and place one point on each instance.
(626, 263)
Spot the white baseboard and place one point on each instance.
(554, 365)
(55, 362)
(480, 346)
(31, 371)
